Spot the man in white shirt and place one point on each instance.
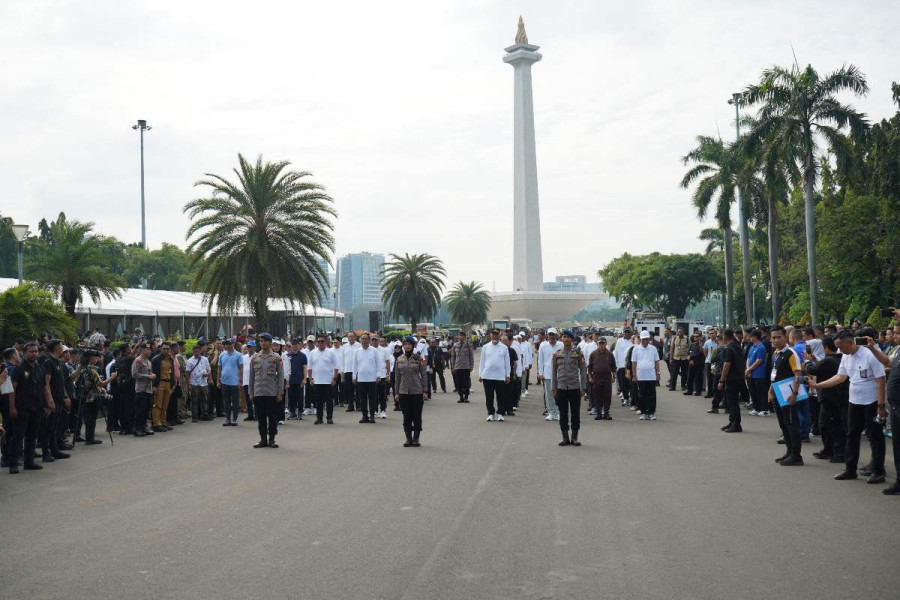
(250, 348)
(645, 366)
(348, 389)
(866, 410)
(324, 373)
(381, 389)
(199, 376)
(309, 400)
(586, 351)
(368, 367)
(494, 372)
(545, 371)
(623, 345)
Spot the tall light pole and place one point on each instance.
(21, 232)
(742, 225)
(142, 127)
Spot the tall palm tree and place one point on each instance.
(412, 285)
(260, 237)
(69, 261)
(717, 166)
(468, 303)
(798, 107)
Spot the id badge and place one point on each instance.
(271, 369)
(863, 373)
(773, 374)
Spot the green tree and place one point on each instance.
(165, 268)
(716, 170)
(69, 261)
(666, 283)
(28, 311)
(412, 285)
(468, 303)
(9, 249)
(798, 107)
(260, 237)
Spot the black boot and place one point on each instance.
(261, 444)
(409, 441)
(575, 441)
(565, 438)
(272, 443)
(415, 439)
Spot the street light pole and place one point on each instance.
(744, 234)
(21, 232)
(142, 127)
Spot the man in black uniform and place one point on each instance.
(30, 399)
(126, 389)
(832, 403)
(55, 375)
(731, 380)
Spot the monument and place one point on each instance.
(528, 271)
(528, 300)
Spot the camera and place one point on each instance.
(887, 312)
(861, 341)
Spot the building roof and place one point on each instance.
(164, 303)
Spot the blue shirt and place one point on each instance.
(230, 365)
(757, 352)
(800, 350)
(709, 346)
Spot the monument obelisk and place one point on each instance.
(528, 268)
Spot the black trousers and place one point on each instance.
(411, 405)
(368, 403)
(90, 419)
(250, 412)
(733, 401)
(381, 390)
(718, 398)
(493, 387)
(505, 397)
(172, 410)
(295, 398)
(517, 391)
(647, 393)
(676, 368)
(126, 397)
(7, 437)
(569, 401)
(695, 379)
(861, 417)
(789, 421)
(463, 383)
(215, 400)
(24, 428)
(348, 390)
(833, 425)
(268, 411)
(324, 393)
(114, 411)
(759, 393)
(49, 437)
(455, 381)
(743, 391)
(624, 384)
(440, 375)
(142, 403)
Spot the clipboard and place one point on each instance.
(782, 390)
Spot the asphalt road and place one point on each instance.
(666, 509)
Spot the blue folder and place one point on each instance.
(802, 394)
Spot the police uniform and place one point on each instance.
(463, 361)
(266, 389)
(567, 367)
(409, 385)
(29, 383)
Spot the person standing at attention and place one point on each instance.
(645, 368)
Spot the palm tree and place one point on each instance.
(69, 261)
(260, 237)
(412, 285)
(714, 238)
(28, 311)
(468, 303)
(717, 168)
(799, 106)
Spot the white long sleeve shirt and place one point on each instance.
(322, 364)
(520, 364)
(348, 355)
(621, 350)
(367, 364)
(385, 361)
(545, 358)
(494, 362)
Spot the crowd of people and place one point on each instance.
(839, 383)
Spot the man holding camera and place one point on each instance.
(866, 410)
(93, 393)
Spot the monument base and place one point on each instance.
(541, 307)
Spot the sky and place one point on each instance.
(403, 111)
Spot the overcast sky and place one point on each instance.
(403, 110)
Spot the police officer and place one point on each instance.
(56, 375)
(267, 391)
(410, 391)
(567, 368)
(30, 399)
(463, 361)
